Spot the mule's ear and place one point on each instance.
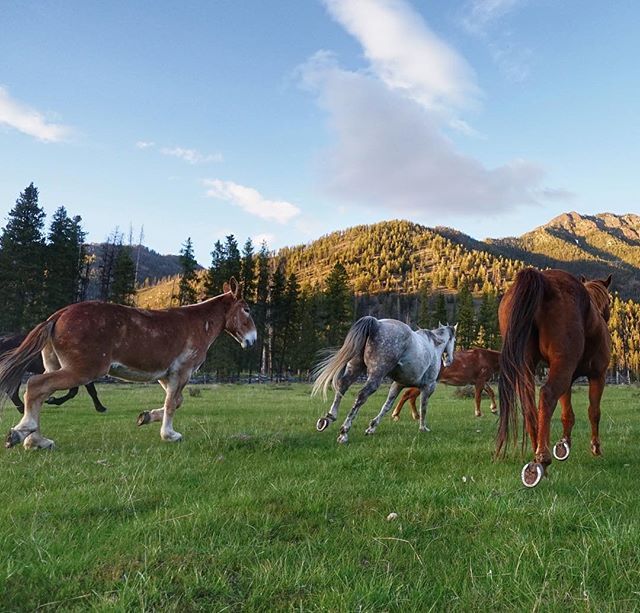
(234, 286)
(583, 279)
(607, 281)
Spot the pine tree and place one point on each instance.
(338, 305)
(187, 292)
(440, 312)
(215, 275)
(277, 319)
(65, 261)
(123, 288)
(466, 318)
(260, 308)
(22, 247)
(247, 273)
(232, 260)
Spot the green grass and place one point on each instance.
(255, 510)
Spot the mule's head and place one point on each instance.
(448, 335)
(238, 322)
(599, 293)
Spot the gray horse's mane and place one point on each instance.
(437, 335)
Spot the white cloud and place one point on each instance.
(479, 15)
(20, 117)
(145, 144)
(405, 54)
(251, 200)
(192, 156)
(390, 152)
(265, 237)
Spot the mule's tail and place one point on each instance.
(329, 370)
(516, 381)
(14, 363)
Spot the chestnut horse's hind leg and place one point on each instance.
(352, 371)
(563, 446)
(395, 390)
(596, 387)
(39, 387)
(478, 397)
(494, 406)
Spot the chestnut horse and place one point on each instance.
(471, 367)
(85, 341)
(551, 316)
(36, 367)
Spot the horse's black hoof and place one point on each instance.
(13, 439)
(102, 409)
(144, 418)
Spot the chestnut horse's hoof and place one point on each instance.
(144, 418)
(561, 450)
(531, 474)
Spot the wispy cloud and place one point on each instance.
(251, 200)
(193, 156)
(145, 144)
(485, 20)
(265, 237)
(21, 117)
(406, 54)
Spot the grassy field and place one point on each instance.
(257, 511)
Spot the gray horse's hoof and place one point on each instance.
(144, 418)
(324, 422)
(13, 439)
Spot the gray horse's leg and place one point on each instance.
(352, 371)
(395, 390)
(372, 384)
(424, 401)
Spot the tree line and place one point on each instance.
(299, 310)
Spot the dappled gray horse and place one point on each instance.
(383, 347)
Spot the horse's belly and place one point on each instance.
(120, 371)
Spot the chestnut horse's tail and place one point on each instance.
(516, 378)
(14, 363)
(329, 370)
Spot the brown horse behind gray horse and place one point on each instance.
(87, 340)
(551, 316)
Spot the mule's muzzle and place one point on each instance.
(249, 339)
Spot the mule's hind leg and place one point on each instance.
(396, 388)
(39, 387)
(596, 387)
(562, 448)
(424, 403)
(352, 371)
(372, 384)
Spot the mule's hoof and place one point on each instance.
(561, 450)
(171, 437)
(35, 441)
(343, 439)
(322, 424)
(531, 474)
(13, 438)
(144, 418)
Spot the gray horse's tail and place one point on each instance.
(329, 370)
(14, 363)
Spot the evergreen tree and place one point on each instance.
(247, 273)
(260, 308)
(338, 305)
(22, 247)
(108, 255)
(123, 288)
(232, 260)
(65, 261)
(277, 320)
(187, 292)
(215, 275)
(466, 318)
(440, 312)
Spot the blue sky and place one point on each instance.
(289, 119)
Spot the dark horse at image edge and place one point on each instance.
(551, 316)
(36, 367)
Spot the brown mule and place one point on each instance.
(87, 340)
(551, 316)
(471, 367)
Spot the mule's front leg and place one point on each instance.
(395, 390)
(424, 402)
(172, 402)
